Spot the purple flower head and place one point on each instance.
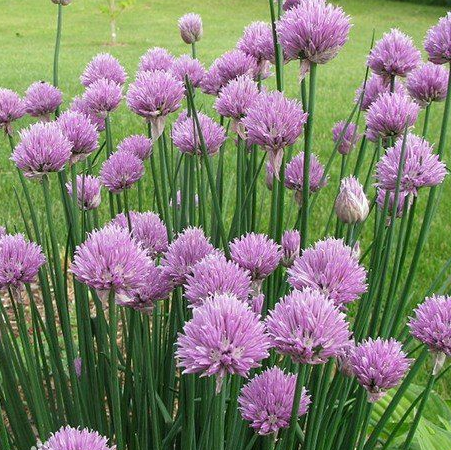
(402, 198)
(269, 178)
(330, 267)
(235, 63)
(2, 232)
(346, 135)
(388, 116)
(308, 327)
(80, 132)
(438, 41)
(42, 99)
(394, 55)
(214, 275)
(224, 336)
(428, 83)
(379, 365)
(288, 4)
(190, 26)
(186, 66)
(422, 168)
(137, 144)
(351, 204)
(88, 191)
(274, 122)
(257, 253)
(267, 399)
(185, 135)
(291, 246)
(103, 96)
(374, 87)
(20, 261)
(11, 108)
(256, 302)
(120, 171)
(212, 83)
(42, 149)
(154, 59)
(106, 66)
(189, 248)
(148, 229)
(80, 105)
(68, 438)
(110, 259)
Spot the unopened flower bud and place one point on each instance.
(291, 244)
(190, 26)
(351, 205)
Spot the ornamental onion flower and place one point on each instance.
(346, 136)
(422, 168)
(224, 336)
(154, 59)
(106, 66)
(378, 365)
(212, 83)
(103, 96)
(186, 66)
(308, 327)
(235, 63)
(267, 399)
(88, 191)
(351, 204)
(291, 246)
(42, 149)
(374, 87)
(330, 267)
(12, 108)
(438, 41)
(288, 4)
(403, 197)
(79, 104)
(42, 99)
(190, 26)
(68, 438)
(137, 144)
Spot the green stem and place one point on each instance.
(57, 49)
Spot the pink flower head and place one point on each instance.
(235, 63)
(351, 204)
(190, 26)
(68, 438)
(137, 144)
(88, 191)
(106, 66)
(379, 365)
(308, 327)
(42, 99)
(438, 41)
(121, 171)
(291, 246)
(267, 399)
(346, 136)
(80, 105)
(422, 168)
(11, 108)
(288, 4)
(103, 96)
(224, 336)
(42, 149)
(154, 59)
(212, 83)
(330, 267)
(374, 87)
(186, 66)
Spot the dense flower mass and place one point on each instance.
(137, 144)
(154, 59)
(267, 399)
(438, 41)
(11, 108)
(378, 365)
(330, 267)
(421, 167)
(42, 99)
(88, 191)
(223, 337)
(374, 87)
(190, 26)
(186, 66)
(212, 83)
(68, 438)
(346, 136)
(106, 66)
(235, 63)
(308, 327)
(103, 96)
(79, 104)
(351, 205)
(120, 171)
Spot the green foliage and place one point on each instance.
(113, 9)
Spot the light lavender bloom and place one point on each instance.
(106, 66)
(308, 327)
(186, 66)
(224, 336)
(12, 108)
(374, 87)
(267, 399)
(235, 63)
(402, 198)
(438, 41)
(288, 4)
(212, 83)
(351, 205)
(330, 267)
(190, 26)
(291, 246)
(379, 365)
(42, 149)
(347, 135)
(422, 168)
(88, 192)
(80, 105)
(394, 55)
(428, 83)
(103, 96)
(42, 99)
(121, 171)
(256, 302)
(68, 438)
(154, 59)
(137, 144)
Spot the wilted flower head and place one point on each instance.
(11, 108)
(274, 122)
(291, 246)
(156, 58)
(257, 253)
(148, 229)
(190, 26)
(374, 87)
(394, 55)
(388, 116)
(379, 365)
(80, 132)
(106, 66)
(428, 83)
(20, 261)
(235, 63)
(402, 198)
(186, 250)
(120, 171)
(267, 399)
(212, 83)
(186, 66)
(137, 144)
(214, 275)
(42, 99)
(308, 327)
(330, 267)
(422, 168)
(351, 204)
(103, 96)
(42, 149)
(186, 135)
(88, 191)
(68, 438)
(438, 41)
(224, 336)
(80, 105)
(346, 135)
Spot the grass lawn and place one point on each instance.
(27, 28)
